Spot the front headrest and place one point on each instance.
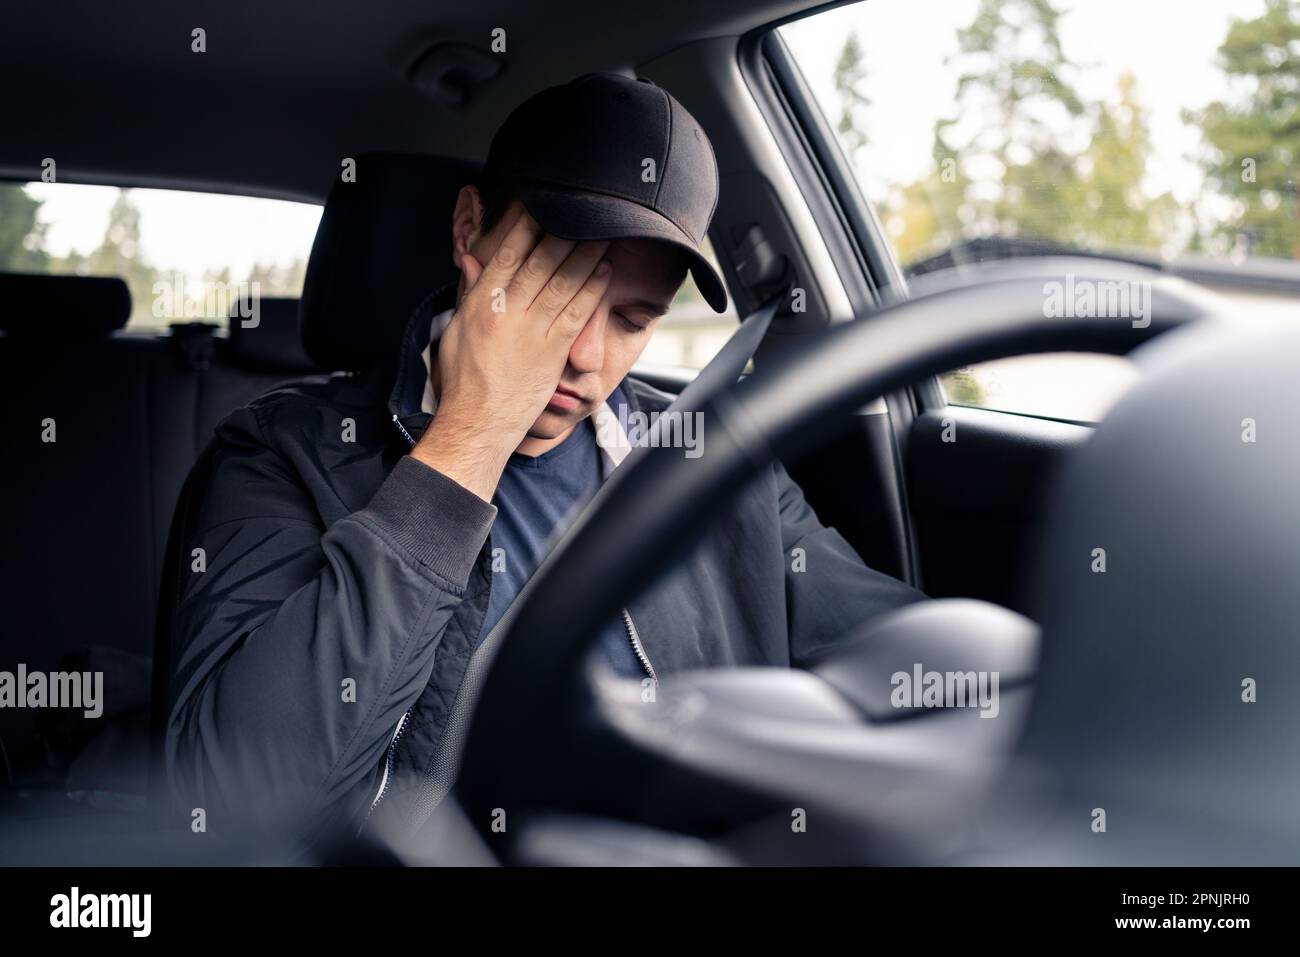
(384, 244)
(266, 334)
(39, 306)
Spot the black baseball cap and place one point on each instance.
(609, 157)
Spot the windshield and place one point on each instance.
(992, 128)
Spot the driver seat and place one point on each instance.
(375, 257)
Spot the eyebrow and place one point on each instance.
(656, 309)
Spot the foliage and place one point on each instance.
(1254, 139)
(1024, 156)
(21, 235)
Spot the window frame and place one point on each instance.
(848, 222)
(864, 261)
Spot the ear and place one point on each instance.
(466, 223)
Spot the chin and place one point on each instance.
(551, 425)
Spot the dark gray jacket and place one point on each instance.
(341, 586)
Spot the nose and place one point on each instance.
(587, 354)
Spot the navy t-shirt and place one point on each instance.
(536, 499)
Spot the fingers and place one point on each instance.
(543, 274)
(513, 252)
(566, 281)
(538, 269)
(580, 308)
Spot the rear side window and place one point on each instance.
(184, 255)
(991, 129)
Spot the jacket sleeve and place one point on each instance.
(299, 648)
(830, 592)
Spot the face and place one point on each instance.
(646, 277)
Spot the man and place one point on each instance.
(362, 537)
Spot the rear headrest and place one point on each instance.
(43, 306)
(269, 336)
(384, 244)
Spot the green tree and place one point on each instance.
(22, 236)
(1014, 91)
(1254, 141)
(121, 243)
(119, 254)
(931, 214)
(1025, 156)
(1112, 210)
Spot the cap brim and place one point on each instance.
(580, 216)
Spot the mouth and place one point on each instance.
(565, 400)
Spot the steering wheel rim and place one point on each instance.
(661, 501)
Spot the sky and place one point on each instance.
(1169, 45)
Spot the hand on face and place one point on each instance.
(507, 344)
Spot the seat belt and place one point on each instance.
(725, 368)
(722, 372)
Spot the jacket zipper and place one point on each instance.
(388, 766)
(637, 648)
(401, 428)
(401, 725)
(628, 625)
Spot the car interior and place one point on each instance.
(1096, 696)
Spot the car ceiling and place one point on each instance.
(113, 93)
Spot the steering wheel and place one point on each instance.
(523, 732)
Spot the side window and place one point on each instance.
(1076, 386)
(992, 129)
(152, 239)
(692, 333)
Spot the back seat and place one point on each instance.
(98, 429)
(86, 540)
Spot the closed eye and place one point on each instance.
(632, 325)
